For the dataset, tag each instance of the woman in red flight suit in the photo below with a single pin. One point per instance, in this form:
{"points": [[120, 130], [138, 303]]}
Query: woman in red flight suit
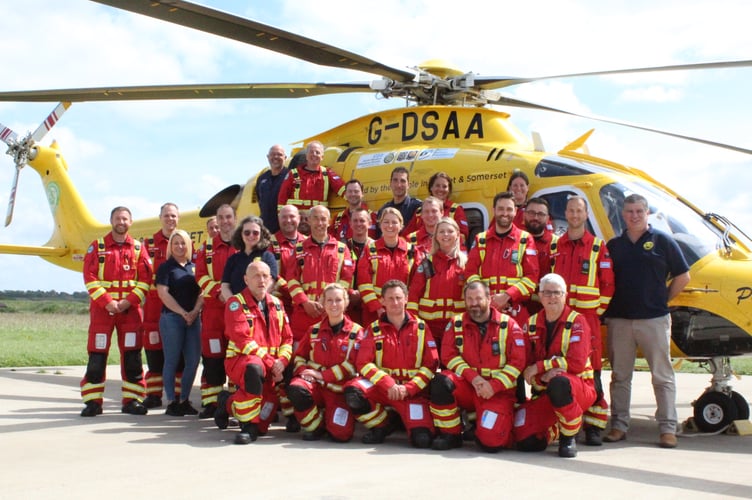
{"points": [[324, 361], [436, 288], [389, 257], [519, 185]]}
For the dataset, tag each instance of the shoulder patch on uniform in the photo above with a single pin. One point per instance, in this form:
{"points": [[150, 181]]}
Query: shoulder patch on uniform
{"points": [[90, 249], [605, 265], [519, 342], [234, 306], [574, 338], [431, 343]]}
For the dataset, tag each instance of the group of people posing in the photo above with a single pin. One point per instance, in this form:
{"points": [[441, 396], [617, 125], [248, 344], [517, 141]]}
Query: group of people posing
{"points": [[386, 318]]}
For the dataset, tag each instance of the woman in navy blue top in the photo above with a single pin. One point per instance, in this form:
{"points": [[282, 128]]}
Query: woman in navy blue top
{"points": [[253, 240], [180, 321]]}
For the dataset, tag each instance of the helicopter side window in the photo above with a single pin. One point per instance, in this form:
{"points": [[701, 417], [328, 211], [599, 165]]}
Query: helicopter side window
{"points": [[612, 199], [693, 235], [557, 207], [475, 222]]}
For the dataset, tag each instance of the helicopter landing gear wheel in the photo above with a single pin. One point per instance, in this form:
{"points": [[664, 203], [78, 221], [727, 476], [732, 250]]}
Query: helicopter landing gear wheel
{"points": [[714, 410], [742, 406]]}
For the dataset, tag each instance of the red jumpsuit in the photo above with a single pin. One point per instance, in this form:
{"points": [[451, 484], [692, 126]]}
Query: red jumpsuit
{"points": [[451, 209], [284, 251], [543, 247], [499, 357], [305, 189], [422, 239], [568, 349], [436, 292], [332, 354], [253, 340], [210, 264], [156, 247], [315, 267], [509, 264], [389, 356], [355, 309], [112, 272], [341, 228], [379, 264], [586, 266]]}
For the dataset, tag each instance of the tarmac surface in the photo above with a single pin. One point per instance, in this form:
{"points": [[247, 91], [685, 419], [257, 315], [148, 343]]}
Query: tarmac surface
{"points": [[49, 451]]}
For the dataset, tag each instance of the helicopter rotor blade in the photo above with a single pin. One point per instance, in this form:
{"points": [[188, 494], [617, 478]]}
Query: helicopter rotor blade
{"points": [[497, 82], [7, 135], [509, 101], [254, 33], [208, 91], [12, 198], [50, 121]]}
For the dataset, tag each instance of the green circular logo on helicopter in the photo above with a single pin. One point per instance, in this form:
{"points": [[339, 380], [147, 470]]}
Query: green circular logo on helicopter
{"points": [[53, 195]]}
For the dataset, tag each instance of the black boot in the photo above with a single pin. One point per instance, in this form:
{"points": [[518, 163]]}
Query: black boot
{"points": [[567, 447], [292, 424], [593, 436], [447, 441], [152, 401], [91, 409], [221, 417], [248, 433], [134, 407], [377, 435]]}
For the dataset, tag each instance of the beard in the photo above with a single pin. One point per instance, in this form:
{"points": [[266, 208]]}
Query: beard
{"points": [[535, 227]]}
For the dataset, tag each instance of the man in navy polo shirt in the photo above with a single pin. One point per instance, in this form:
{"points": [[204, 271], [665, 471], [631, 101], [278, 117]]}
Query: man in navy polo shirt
{"points": [[649, 271]]}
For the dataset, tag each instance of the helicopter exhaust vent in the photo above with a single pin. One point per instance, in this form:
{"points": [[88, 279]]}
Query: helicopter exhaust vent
{"points": [[538, 142]]}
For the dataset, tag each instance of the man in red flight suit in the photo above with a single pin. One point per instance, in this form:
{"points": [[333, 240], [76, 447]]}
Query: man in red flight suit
{"points": [[210, 264], [397, 360], [117, 274], [341, 227], [559, 372], [309, 184], [360, 221], [283, 246], [585, 264], [432, 210], [156, 246], [507, 259], [484, 351], [259, 349], [319, 260], [324, 361]]}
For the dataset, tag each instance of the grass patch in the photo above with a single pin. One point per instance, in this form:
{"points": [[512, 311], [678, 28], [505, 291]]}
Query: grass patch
{"points": [[39, 339]]}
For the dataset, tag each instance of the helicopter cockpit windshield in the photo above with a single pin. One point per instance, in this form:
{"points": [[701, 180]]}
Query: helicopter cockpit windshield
{"points": [[696, 236]]}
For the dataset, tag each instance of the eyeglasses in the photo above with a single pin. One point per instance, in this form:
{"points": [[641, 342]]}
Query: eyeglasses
{"points": [[551, 293], [540, 215], [248, 232]]}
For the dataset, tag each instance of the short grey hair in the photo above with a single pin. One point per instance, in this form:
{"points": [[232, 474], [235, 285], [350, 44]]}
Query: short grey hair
{"points": [[554, 279]]}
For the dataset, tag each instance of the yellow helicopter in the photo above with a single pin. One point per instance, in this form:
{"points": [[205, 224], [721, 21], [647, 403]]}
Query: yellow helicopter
{"points": [[449, 125]]}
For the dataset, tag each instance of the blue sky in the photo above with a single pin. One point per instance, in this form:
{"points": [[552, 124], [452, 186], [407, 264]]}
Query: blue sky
{"points": [[141, 154]]}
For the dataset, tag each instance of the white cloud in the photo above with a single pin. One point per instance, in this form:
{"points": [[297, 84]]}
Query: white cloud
{"points": [[653, 93]]}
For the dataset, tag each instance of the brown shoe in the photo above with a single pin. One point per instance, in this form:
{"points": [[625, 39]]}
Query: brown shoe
{"points": [[667, 440], [614, 435]]}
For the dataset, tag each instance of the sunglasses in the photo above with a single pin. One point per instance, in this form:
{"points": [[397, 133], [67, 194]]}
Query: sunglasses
{"points": [[248, 232]]}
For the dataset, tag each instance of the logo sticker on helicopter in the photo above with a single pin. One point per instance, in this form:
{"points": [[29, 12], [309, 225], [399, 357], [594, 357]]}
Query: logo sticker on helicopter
{"points": [[375, 159], [53, 195], [648, 245]]}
